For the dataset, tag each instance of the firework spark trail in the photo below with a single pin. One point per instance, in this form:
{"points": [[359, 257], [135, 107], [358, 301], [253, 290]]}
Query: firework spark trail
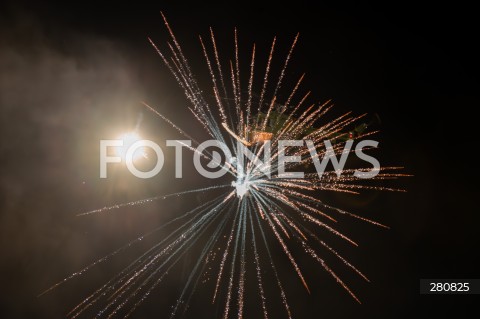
{"points": [[287, 103], [227, 167], [236, 94], [258, 269], [279, 223], [219, 68], [312, 253], [279, 196], [272, 104], [262, 201], [153, 286], [232, 268], [285, 207], [139, 262], [241, 279], [279, 83], [152, 275], [291, 114], [147, 200], [282, 74], [258, 153], [207, 248], [224, 258], [214, 81], [206, 116], [126, 246], [180, 82], [236, 81], [191, 84], [188, 237], [265, 79], [170, 123], [333, 251], [270, 259], [250, 87]]}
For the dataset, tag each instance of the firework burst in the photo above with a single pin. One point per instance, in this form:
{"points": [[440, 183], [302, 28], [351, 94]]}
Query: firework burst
{"points": [[235, 222]]}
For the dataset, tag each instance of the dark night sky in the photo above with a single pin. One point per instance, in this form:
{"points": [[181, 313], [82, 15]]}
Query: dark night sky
{"points": [[71, 74]]}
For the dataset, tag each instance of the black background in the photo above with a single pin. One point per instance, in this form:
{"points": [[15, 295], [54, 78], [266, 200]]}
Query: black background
{"points": [[415, 67]]}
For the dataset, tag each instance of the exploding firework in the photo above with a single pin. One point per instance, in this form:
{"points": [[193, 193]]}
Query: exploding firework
{"points": [[234, 225]]}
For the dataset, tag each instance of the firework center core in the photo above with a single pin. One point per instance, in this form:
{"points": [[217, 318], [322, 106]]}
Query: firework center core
{"points": [[241, 187]]}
